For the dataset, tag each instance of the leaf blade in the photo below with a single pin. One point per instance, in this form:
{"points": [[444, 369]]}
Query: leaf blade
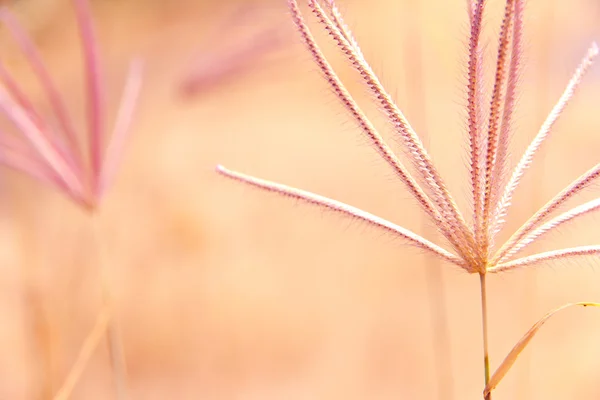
{"points": [[512, 356]]}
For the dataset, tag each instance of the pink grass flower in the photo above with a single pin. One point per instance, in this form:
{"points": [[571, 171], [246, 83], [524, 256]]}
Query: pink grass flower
{"points": [[471, 241], [80, 166]]}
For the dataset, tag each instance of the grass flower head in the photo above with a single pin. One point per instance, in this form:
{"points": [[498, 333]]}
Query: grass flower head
{"points": [[471, 241], [489, 126]]}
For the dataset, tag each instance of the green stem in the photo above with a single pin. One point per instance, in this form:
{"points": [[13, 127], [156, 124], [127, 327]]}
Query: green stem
{"points": [[484, 323]]}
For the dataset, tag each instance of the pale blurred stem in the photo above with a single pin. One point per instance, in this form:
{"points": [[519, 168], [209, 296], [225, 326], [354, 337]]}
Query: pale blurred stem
{"points": [[39, 322], [433, 268], [113, 336], [537, 185], [484, 324], [41, 332], [441, 330]]}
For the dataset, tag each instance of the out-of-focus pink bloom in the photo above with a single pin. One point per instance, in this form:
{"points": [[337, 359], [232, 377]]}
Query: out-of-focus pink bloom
{"points": [[233, 56], [81, 166]]}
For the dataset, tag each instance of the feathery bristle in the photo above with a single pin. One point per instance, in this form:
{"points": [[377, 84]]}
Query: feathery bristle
{"points": [[539, 139], [444, 225], [494, 119], [563, 254], [346, 209], [575, 187], [509, 104], [95, 91], [488, 151], [488, 146], [430, 179], [574, 213], [54, 154], [41, 73]]}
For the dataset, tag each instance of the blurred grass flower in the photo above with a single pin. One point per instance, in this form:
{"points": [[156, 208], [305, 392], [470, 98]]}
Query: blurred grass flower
{"points": [[233, 55], [81, 166]]}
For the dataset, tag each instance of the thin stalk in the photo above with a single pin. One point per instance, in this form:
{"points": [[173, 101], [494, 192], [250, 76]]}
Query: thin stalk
{"points": [[115, 348], [40, 328], [85, 354], [41, 334], [441, 328], [113, 335], [436, 288], [484, 324], [537, 189]]}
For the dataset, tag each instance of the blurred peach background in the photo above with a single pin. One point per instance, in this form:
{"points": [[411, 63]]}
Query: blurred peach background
{"points": [[225, 292]]}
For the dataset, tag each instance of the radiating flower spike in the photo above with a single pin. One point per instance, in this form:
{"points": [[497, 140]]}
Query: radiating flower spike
{"points": [[493, 134], [545, 130], [489, 129], [509, 104], [573, 189], [477, 141], [346, 209]]}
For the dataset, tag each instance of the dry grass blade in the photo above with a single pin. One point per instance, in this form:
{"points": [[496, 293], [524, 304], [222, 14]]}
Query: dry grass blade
{"points": [[87, 349], [510, 359]]}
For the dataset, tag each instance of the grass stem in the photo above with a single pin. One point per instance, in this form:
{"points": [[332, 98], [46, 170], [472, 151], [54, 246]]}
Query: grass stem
{"points": [[415, 83], [113, 336], [37, 312], [484, 324], [441, 329], [85, 354], [115, 349], [41, 331]]}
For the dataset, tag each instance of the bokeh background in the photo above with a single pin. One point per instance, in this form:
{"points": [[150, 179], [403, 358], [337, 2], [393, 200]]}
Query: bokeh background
{"points": [[225, 292]]}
